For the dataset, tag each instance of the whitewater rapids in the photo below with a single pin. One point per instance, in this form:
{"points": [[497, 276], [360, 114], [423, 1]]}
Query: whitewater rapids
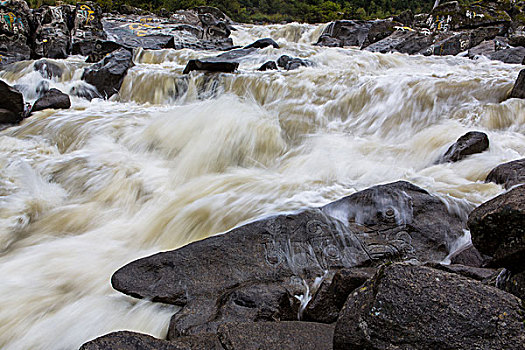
{"points": [[177, 158]]}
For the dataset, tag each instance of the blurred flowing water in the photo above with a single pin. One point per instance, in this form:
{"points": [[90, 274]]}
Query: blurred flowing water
{"points": [[176, 158]]}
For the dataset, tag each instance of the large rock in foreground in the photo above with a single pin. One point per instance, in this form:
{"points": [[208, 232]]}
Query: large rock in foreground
{"points": [[107, 75], [508, 174], [415, 307], [498, 229], [254, 272], [11, 104]]}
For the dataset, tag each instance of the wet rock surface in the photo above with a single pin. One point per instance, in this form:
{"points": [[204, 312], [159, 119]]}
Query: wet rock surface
{"points": [[508, 174], [416, 307], [468, 256], [16, 21], [518, 91], [270, 65], [53, 98], [48, 69], [498, 229], [11, 104], [471, 143], [107, 75], [262, 43], [291, 63], [262, 266]]}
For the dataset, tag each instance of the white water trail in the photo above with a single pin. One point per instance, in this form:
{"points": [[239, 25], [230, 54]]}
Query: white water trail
{"points": [[179, 158]]}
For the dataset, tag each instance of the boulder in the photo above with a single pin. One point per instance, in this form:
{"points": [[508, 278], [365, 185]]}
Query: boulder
{"points": [[475, 273], [379, 30], [417, 307], [514, 55], [518, 91], [53, 98], [107, 75], [329, 299], [88, 28], [84, 90], [125, 340], [11, 104], [48, 69], [453, 16], [255, 271], [16, 21], [262, 43], [345, 33], [468, 256], [291, 63], [405, 41], [104, 47], [270, 65], [471, 143], [508, 174], [276, 335], [52, 36], [211, 66], [498, 229]]}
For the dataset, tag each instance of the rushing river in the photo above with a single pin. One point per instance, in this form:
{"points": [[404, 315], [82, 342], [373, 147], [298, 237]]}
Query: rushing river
{"points": [[177, 158]]}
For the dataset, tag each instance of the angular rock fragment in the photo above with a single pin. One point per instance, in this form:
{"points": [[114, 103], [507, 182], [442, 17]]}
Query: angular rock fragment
{"points": [[518, 91], [416, 307], [498, 229]]}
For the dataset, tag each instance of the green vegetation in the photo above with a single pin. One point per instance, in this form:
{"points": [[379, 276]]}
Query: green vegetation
{"points": [[276, 11]]}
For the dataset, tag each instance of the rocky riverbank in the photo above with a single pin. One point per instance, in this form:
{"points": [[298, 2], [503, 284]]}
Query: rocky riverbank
{"points": [[363, 272]]}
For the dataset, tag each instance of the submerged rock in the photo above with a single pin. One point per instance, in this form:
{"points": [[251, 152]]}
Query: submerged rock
{"points": [[262, 43], [508, 174], [107, 75], [53, 98], [48, 69], [255, 271], [416, 307], [270, 65], [11, 104], [498, 229], [291, 63], [472, 142]]}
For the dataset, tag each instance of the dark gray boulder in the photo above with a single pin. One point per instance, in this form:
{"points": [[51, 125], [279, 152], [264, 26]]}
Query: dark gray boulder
{"points": [[513, 283], [16, 21], [508, 174], [345, 33], [514, 55], [472, 142], [53, 98], [416, 307], [52, 36], [329, 299], [276, 335], [125, 340], [255, 271], [48, 69], [406, 18], [518, 91], [107, 75], [498, 229], [475, 273], [210, 66], [454, 16], [270, 65], [262, 43], [104, 47], [406, 41], [88, 28], [379, 30], [11, 104]]}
